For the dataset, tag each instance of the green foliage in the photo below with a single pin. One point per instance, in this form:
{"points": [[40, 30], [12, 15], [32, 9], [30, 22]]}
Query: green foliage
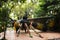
{"points": [[39, 7], [4, 15]]}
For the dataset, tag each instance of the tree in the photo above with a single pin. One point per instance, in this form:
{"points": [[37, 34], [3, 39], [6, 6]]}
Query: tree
{"points": [[4, 17], [54, 6]]}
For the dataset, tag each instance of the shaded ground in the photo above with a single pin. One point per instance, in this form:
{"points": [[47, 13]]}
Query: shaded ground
{"points": [[11, 35]]}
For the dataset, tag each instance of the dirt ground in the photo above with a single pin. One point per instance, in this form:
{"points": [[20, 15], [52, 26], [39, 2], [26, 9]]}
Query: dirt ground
{"points": [[11, 35]]}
